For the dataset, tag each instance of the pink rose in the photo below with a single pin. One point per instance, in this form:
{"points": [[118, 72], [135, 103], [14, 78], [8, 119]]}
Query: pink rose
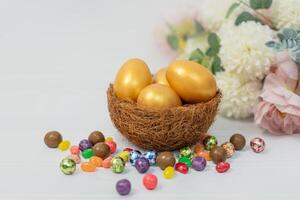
{"points": [[279, 110]]}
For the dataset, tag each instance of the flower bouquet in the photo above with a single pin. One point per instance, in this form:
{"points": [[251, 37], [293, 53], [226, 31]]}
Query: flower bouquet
{"points": [[253, 49]]}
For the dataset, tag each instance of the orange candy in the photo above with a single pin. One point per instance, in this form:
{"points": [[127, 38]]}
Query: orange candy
{"points": [[106, 162], [88, 167], [96, 161], [204, 154], [198, 148]]}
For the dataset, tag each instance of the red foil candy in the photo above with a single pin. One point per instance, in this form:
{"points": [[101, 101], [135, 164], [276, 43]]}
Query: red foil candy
{"points": [[181, 167], [222, 167]]}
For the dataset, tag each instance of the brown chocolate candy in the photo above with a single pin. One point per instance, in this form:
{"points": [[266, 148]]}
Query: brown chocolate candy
{"points": [[238, 141], [96, 137], [101, 150], [52, 139], [165, 159], [218, 154]]}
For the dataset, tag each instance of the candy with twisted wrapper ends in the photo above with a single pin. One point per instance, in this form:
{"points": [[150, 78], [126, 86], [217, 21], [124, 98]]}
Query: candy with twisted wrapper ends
{"points": [[123, 187], [238, 141], [68, 166], [210, 142], [165, 159], [257, 144]]}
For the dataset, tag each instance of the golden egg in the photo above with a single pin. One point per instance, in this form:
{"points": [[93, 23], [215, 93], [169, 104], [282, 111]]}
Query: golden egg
{"points": [[191, 81], [160, 77], [158, 96], [131, 78]]}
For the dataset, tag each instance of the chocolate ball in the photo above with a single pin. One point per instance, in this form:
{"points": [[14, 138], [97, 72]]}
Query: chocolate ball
{"points": [[52, 139], [238, 141], [96, 137], [101, 150], [165, 159], [218, 154]]}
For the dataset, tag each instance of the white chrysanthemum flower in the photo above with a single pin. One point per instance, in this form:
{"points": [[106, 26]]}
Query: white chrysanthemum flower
{"points": [[213, 13], [286, 13], [243, 50], [239, 96], [193, 43]]}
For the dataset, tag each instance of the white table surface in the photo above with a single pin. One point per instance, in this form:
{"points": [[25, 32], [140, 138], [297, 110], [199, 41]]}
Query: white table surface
{"points": [[56, 60]]}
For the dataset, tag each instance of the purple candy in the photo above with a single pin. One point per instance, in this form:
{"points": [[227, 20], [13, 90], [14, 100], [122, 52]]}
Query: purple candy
{"points": [[84, 144], [198, 163], [123, 187], [142, 165]]}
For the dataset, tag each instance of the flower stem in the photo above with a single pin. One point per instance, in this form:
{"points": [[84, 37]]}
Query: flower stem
{"points": [[265, 20]]}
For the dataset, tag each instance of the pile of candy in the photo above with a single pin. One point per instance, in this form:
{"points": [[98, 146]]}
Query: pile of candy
{"points": [[99, 152]]}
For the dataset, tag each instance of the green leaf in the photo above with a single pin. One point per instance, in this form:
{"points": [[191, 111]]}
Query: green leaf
{"points": [[280, 36], [214, 44], [244, 17], [173, 41], [232, 8], [260, 4], [206, 62], [197, 55], [199, 27], [271, 44], [216, 65]]}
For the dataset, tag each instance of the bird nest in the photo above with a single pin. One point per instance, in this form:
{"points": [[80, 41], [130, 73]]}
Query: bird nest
{"points": [[162, 130]]}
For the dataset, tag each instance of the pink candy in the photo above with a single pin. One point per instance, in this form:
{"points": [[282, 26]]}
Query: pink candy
{"points": [[112, 145], [75, 150]]}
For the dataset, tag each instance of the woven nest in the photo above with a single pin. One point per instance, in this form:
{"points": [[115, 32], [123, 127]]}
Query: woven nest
{"points": [[162, 130]]}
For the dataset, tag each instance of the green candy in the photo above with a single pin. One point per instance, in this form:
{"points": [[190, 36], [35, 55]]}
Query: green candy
{"points": [[186, 161], [186, 152], [87, 153], [117, 165], [67, 166], [210, 142]]}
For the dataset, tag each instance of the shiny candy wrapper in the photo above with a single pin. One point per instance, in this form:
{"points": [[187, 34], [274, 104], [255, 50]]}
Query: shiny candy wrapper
{"points": [[151, 156], [117, 165], [134, 156], [186, 152], [68, 166]]}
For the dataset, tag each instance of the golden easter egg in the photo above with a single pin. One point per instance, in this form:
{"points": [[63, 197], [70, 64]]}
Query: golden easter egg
{"points": [[132, 77], [160, 77], [158, 96], [191, 81]]}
